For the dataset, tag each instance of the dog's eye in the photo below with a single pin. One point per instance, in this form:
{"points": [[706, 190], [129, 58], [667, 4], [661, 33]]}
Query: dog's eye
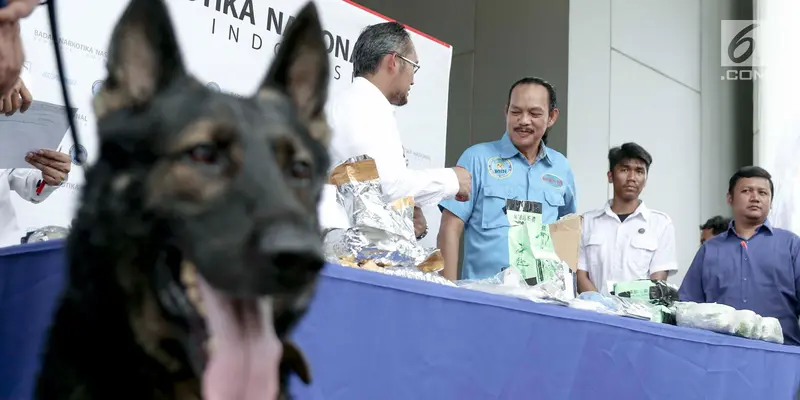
{"points": [[301, 169], [207, 153]]}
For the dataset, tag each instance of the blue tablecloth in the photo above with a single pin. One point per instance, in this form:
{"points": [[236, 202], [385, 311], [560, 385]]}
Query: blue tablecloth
{"points": [[372, 336]]}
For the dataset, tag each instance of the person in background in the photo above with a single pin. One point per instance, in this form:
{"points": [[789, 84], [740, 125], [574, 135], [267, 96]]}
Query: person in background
{"points": [[713, 227], [518, 166], [751, 266], [363, 122], [625, 240], [51, 170]]}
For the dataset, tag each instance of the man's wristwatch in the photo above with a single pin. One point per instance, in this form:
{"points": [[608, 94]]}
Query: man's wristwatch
{"points": [[423, 234]]}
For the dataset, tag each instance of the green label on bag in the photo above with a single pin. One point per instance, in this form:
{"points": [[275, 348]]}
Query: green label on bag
{"points": [[530, 248], [520, 252]]}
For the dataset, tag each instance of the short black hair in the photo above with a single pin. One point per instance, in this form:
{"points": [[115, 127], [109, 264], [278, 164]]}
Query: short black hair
{"points": [[376, 41], [551, 95], [717, 224], [751, 171], [628, 151]]}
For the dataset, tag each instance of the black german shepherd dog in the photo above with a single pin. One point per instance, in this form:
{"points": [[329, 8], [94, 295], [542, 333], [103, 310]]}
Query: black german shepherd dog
{"points": [[196, 248]]}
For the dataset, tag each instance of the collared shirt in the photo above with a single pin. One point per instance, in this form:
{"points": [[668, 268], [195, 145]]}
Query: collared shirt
{"points": [[619, 251], [363, 122], [500, 172], [23, 181], [760, 274]]}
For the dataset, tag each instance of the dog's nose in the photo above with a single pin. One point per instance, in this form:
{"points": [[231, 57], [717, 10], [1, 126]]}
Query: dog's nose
{"points": [[291, 247]]}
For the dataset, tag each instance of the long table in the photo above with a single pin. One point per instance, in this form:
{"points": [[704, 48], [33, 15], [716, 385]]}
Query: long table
{"points": [[373, 336]]}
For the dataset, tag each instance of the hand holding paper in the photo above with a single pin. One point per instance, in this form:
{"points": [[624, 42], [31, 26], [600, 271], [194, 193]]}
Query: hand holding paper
{"points": [[43, 126], [54, 165]]}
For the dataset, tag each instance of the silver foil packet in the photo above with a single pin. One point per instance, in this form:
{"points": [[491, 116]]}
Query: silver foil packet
{"points": [[414, 273], [48, 233], [381, 231]]}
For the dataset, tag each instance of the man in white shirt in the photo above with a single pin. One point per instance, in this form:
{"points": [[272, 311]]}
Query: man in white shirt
{"points": [[362, 121], [625, 240], [34, 185]]}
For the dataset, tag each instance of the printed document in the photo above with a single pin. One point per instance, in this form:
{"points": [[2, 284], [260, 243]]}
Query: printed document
{"points": [[43, 126]]}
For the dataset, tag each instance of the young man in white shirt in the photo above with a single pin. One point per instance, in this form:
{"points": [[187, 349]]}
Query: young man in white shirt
{"points": [[362, 122], [625, 240]]}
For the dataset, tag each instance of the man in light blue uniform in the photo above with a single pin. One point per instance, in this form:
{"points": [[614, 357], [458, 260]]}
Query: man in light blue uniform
{"points": [[518, 166]]}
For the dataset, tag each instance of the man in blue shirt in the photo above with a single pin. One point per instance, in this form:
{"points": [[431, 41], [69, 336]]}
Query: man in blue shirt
{"points": [[751, 266], [518, 166]]}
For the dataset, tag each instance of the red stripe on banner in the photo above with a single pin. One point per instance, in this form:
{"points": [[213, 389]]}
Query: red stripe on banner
{"points": [[377, 14]]}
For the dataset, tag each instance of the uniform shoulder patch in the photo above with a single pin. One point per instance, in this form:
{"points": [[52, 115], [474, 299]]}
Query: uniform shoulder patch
{"points": [[661, 214], [593, 213], [499, 167]]}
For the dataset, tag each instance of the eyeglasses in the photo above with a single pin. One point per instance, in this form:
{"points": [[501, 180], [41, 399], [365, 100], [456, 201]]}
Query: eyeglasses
{"points": [[413, 64]]}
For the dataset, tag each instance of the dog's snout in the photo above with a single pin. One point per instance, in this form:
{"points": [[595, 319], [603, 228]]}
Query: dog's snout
{"points": [[292, 247]]}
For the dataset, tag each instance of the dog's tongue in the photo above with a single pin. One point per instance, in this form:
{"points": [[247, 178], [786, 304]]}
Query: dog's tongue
{"points": [[245, 352]]}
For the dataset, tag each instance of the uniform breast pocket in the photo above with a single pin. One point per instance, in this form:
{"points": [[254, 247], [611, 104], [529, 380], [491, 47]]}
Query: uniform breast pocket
{"points": [[554, 199], [780, 275], [718, 270], [643, 247], [594, 250], [492, 205]]}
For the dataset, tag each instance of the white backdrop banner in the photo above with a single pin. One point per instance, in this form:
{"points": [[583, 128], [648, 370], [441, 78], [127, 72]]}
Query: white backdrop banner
{"points": [[777, 122], [228, 45]]}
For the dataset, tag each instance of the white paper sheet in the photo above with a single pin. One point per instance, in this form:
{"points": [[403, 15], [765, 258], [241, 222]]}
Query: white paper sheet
{"points": [[43, 126]]}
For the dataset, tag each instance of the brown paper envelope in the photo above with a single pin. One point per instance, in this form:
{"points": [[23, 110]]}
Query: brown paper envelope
{"points": [[566, 235]]}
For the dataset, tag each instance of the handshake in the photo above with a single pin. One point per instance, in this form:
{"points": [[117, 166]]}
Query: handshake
{"points": [[464, 183]]}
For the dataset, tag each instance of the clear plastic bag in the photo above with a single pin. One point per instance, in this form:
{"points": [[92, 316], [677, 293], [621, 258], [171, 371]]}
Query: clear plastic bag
{"points": [[615, 305], [510, 282], [725, 319]]}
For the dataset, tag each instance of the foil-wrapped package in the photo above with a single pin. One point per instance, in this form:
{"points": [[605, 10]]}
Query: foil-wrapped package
{"points": [[405, 272], [381, 231], [358, 189], [414, 273], [47, 233]]}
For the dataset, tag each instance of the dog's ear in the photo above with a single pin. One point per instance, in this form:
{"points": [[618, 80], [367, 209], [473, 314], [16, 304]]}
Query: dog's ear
{"points": [[143, 57], [293, 360], [301, 71]]}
